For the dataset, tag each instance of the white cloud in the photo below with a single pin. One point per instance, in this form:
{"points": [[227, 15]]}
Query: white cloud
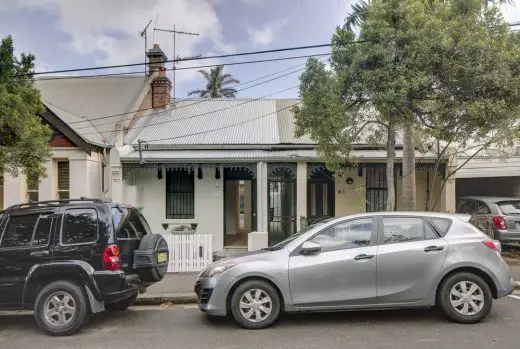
{"points": [[266, 34], [110, 29]]}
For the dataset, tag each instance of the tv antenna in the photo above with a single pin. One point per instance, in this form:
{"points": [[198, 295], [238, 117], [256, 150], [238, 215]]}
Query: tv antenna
{"points": [[144, 34], [175, 33]]}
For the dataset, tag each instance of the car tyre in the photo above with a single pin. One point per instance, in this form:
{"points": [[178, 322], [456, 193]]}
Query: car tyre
{"points": [[465, 298], [255, 304], [122, 304], [61, 308], [152, 243]]}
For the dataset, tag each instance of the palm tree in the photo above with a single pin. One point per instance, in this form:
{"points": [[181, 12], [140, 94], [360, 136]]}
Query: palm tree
{"points": [[217, 84]]}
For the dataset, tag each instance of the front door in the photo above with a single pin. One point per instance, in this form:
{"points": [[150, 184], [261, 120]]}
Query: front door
{"points": [[24, 244], [409, 258], [282, 205], [343, 273]]}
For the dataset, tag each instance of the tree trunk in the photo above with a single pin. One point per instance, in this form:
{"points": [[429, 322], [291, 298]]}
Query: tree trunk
{"points": [[390, 160], [408, 192]]}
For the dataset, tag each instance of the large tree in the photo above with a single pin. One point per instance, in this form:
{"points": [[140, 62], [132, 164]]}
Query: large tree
{"points": [[23, 138], [217, 84], [439, 66]]}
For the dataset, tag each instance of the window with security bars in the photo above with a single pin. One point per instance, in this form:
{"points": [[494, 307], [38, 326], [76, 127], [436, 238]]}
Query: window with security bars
{"points": [[32, 189], [63, 180], [180, 194], [376, 189]]}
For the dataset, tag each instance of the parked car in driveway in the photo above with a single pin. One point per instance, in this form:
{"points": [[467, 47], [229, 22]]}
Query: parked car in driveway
{"points": [[66, 259], [366, 261], [498, 217]]}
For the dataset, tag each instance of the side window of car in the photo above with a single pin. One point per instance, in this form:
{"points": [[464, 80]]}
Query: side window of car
{"points": [[27, 230], [79, 226], [351, 234], [466, 207], [406, 229]]}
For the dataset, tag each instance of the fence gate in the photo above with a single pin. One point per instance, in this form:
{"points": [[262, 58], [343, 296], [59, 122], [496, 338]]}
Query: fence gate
{"points": [[282, 204], [189, 252]]}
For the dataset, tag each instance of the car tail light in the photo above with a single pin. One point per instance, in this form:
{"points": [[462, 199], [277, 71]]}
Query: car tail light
{"points": [[499, 222], [492, 244], [112, 257]]}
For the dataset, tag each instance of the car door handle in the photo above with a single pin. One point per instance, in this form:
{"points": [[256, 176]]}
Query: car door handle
{"points": [[360, 257], [433, 248], [39, 254]]}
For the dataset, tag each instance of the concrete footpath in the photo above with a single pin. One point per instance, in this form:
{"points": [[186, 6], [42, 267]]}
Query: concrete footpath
{"points": [[178, 288]]}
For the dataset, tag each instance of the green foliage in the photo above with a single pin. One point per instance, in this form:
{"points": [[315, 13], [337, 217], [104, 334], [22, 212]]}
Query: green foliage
{"points": [[23, 138], [217, 84], [451, 68]]}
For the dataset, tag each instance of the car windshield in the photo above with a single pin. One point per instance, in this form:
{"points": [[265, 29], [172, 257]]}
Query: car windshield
{"points": [[293, 237], [509, 207]]}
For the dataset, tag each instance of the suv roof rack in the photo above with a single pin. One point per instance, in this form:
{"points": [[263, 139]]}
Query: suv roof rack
{"points": [[55, 202]]}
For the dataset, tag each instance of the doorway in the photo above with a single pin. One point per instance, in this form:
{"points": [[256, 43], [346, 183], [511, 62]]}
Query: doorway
{"points": [[282, 204], [320, 195], [239, 206]]}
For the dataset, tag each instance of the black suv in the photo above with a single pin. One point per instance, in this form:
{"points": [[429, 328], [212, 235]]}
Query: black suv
{"points": [[66, 259]]}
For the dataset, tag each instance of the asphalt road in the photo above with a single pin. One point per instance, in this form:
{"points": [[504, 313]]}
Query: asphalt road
{"points": [[186, 328]]}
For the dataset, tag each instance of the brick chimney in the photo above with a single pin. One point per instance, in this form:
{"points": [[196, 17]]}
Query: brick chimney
{"points": [[156, 59], [161, 88]]}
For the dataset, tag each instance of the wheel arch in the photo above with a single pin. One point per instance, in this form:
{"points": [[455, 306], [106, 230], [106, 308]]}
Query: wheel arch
{"points": [[250, 278], [473, 270]]}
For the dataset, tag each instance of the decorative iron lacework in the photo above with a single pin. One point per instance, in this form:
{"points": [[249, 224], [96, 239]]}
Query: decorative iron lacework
{"points": [[128, 167], [276, 169]]}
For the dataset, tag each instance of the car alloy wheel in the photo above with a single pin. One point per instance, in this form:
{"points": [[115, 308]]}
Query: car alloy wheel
{"points": [[467, 298], [59, 309], [255, 305]]}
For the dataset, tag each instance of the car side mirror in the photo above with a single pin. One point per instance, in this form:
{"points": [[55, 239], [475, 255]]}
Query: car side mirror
{"points": [[310, 247]]}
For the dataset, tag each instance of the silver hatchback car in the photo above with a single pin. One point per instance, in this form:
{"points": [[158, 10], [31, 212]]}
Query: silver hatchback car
{"points": [[366, 261]]}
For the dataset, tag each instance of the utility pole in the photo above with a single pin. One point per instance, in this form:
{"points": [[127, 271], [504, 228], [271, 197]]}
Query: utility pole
{"points": [[175, 32], [144, 34]]}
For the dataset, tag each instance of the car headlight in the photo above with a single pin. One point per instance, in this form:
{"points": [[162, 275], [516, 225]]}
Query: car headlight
{"points": [[220, 269]]}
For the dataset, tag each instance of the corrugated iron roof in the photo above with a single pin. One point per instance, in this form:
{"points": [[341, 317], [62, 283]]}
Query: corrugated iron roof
{"points": [[90, 99], [195, 156], [219, 122]]}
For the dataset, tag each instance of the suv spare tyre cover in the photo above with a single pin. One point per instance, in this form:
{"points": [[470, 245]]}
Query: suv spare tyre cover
{"points": [[146, 258]]}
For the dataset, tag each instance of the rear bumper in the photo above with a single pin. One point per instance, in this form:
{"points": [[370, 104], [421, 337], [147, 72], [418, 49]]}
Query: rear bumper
{"points": [[506, 291], [117, 285], [507, 236]]}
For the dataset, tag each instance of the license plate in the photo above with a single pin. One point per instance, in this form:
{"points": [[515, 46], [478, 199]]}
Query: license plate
{"points": [[162, 257]]}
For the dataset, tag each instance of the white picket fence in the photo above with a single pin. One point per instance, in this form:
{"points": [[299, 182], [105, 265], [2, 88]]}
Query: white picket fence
{"points": [[189, 252]]}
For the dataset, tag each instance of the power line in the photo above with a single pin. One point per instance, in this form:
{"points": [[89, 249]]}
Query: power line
{"points": [[184, 99], [177, 60], [200, 101], [196, 115], [188, 68]]}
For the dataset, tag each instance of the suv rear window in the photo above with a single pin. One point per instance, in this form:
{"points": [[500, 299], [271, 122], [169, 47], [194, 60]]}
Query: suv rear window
{"points": [[509, 207], [129, 224]]}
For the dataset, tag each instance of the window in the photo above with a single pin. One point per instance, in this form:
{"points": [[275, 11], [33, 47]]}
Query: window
{"points": [[80, 226], [465, 207], [132, 227], [376, 189], [441, 224], [63, 180], [32, 189], [481, 208], [27, 230], [406, 229], [345, 235], [180, 198], [509, 207]]}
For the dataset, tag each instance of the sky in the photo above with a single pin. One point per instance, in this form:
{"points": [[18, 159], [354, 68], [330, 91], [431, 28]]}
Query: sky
{"points": [[66, 34]]}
